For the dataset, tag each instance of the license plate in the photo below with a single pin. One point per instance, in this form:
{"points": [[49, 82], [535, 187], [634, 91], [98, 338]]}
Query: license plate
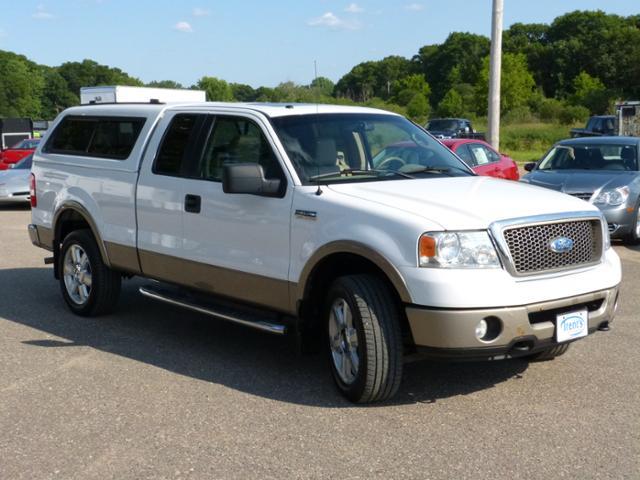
{"points": [[572, 325]]}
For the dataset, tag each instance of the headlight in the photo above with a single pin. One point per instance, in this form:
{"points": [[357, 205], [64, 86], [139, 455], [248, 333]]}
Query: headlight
{"points": [[613, 198], [457, 250]]}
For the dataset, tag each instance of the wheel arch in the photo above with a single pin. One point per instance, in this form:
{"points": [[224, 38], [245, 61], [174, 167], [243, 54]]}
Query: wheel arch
{"points": [[70, 217], [338, 259]]}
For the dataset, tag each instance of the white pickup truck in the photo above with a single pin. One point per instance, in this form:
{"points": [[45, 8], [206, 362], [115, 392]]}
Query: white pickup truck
{"points": [[351, 228]]}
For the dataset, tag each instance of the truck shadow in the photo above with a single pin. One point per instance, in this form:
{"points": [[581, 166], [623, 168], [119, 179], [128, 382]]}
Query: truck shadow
{"points": [[214, 351]]}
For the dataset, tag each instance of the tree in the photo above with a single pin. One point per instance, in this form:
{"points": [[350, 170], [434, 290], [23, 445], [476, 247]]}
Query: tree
{"points": [[217, 90], [56, 95], [373, 79], [461, 51], [418, 108], [452, 105], [323, 85], [21, 86], [408, 87], [591, 93], [164, 84], [517, 84], [91, 74], [242, 92]]}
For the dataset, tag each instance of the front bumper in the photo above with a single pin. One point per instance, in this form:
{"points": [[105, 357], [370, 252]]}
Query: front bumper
{"points": [[620, 220], [524, 329]]}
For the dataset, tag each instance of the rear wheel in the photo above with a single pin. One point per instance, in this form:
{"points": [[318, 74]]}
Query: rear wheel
{"points": [[364, 338], [88, 286], [550, 353]]}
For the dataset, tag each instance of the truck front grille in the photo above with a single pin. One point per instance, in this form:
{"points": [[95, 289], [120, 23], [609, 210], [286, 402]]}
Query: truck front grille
{"points": [[530, 246]]}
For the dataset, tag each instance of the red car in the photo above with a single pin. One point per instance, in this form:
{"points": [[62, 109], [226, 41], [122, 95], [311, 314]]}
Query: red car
{"points": [[17, 152], [483, 159]]}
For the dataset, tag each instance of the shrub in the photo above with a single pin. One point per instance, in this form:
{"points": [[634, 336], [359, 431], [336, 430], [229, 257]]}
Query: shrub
{"points": [[573, 114]]}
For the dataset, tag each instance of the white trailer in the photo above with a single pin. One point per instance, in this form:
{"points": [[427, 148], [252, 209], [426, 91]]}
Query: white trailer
{"points": [[126, 94], [628, 119]]}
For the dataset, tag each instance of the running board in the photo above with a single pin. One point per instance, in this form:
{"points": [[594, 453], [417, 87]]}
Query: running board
{"points": [[223, 312]]}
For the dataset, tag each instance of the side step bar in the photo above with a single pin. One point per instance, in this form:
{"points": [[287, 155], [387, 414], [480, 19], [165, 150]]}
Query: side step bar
{"points": [[222, 312]]}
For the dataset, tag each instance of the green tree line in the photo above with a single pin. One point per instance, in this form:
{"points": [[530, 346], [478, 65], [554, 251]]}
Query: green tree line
{"points": [[578, 65]]}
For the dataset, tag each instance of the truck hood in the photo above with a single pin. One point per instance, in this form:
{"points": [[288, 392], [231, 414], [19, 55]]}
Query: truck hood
{"points": [[579, 181], [464, 203]]}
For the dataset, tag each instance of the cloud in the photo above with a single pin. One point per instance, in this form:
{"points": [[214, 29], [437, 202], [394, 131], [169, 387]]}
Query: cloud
{"points": [[354, 8], [201, 12], [330, 20], [42, 14], [414, 7], [183, 27]]}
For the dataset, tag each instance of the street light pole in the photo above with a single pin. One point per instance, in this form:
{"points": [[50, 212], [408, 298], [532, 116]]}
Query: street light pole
{"points": [[495, 72]]}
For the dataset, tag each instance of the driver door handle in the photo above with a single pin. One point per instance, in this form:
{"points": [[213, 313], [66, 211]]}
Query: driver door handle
{"points": [[192, 203]]}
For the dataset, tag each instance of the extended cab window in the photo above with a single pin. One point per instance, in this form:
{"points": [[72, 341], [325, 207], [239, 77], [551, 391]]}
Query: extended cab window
{"points": [[237, 140], [177, 145], [104, 137]]}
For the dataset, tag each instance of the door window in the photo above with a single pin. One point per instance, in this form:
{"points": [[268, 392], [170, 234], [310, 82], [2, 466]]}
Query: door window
{"points": [[178, 144], [482, 154], [237, 140]]}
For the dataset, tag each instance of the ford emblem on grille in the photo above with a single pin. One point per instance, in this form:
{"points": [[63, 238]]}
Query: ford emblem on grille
{"points": [[561, 245]]}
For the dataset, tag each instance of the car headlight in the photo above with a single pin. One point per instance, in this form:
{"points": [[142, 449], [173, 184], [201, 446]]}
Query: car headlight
{"points": [[457, 250], [614, 198]]}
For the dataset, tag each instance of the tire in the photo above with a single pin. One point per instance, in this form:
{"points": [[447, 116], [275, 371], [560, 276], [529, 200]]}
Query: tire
{"points": [[88, 286], [362, 318], [633, 237], [550, 353]]}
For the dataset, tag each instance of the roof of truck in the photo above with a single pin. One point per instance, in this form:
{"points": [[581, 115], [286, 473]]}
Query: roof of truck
{"points": [[269, 109]]}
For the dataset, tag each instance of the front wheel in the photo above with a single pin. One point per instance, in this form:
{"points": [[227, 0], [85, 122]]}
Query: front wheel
{"points": [[364, 338], [89, 287]]}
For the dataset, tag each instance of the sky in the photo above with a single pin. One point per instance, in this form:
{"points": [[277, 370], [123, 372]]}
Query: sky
{"points": [[260, 43]]}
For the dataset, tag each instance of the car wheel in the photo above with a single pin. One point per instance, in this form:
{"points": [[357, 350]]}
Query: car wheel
{"points": [[550, 353], [364, 338], [88, 286], [633, 237]]}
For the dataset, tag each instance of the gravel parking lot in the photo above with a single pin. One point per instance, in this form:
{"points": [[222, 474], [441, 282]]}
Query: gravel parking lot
{"points": [[157, 392]]}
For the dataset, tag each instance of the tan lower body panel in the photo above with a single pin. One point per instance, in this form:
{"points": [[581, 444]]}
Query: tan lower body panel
{"points": [[122, 257], [246, 287]]}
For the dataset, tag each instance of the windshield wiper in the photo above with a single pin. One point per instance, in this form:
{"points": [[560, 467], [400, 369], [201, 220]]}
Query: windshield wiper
{"points": [[357, 172]]}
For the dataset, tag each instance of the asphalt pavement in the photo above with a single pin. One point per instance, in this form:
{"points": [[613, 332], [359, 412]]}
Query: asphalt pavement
{"points": [[155, 392]]}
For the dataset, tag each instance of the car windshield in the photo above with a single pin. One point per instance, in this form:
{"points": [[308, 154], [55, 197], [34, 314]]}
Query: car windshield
{"points": [[442, 125], [26, 144], [25, 163], [338, 148], [591, 157]]}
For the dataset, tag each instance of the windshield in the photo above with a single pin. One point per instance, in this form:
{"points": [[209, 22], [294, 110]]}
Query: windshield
{"points": [[591, 157], [442, 125], [336, 148], [26, 144]]}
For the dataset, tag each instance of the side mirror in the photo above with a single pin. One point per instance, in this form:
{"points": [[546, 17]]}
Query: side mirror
{"points": [[248, 178], [529, 166]]}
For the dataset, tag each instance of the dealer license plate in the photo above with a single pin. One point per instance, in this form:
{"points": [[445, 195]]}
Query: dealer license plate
{"points": [[572, 325]]}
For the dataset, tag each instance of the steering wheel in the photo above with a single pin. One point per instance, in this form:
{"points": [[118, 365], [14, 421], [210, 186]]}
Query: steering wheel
{"points": [[383, 165]]}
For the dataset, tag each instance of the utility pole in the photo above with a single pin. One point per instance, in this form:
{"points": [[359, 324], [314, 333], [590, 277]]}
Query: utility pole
{"points": [[495, 72]]}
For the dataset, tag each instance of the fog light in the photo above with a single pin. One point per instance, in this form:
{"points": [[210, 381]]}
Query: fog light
{"points": [[481, 329]]}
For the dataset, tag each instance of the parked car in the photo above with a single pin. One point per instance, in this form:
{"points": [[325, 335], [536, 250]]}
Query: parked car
{"points": [[479, 156], [597, 126], [16, 153], [452, 128], [603, 171], [483, 159], [14, 182], [273, 217]]}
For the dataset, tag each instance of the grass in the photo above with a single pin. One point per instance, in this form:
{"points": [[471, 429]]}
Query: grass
{"points": [[528, 142]]}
